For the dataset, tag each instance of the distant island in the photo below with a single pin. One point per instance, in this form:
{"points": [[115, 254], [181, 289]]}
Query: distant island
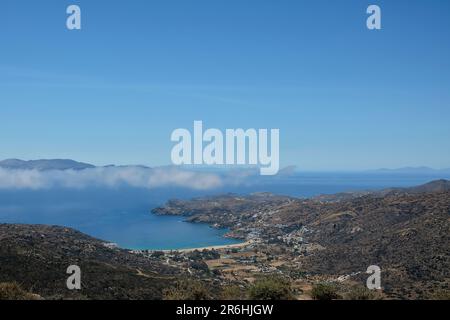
{"points": [[411, 170], [54, 164], [69, 164]]}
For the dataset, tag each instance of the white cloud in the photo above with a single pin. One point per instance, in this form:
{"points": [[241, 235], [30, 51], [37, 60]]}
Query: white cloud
{"points": [[109, 177]]}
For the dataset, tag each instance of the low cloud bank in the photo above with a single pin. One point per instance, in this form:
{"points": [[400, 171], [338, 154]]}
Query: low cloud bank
{"points": [[109, 177]]}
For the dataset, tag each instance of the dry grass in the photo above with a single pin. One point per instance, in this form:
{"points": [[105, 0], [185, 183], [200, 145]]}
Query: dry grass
{"points": [[12, 291]]}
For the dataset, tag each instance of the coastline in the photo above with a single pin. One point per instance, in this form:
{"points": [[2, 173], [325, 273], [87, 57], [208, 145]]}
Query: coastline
{"points": [[218, 247]]}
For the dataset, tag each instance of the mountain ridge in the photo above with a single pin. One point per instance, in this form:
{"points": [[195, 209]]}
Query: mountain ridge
{"points": [[67, 164], [44, 164], [56, 164], [440, 185]]}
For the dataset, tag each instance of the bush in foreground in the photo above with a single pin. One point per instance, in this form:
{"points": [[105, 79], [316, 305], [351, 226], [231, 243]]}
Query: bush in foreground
{"points": [[361, 293], [187, 290], [12, 291], [325, 291], [270, 288], [232, 292], [440, 295]]}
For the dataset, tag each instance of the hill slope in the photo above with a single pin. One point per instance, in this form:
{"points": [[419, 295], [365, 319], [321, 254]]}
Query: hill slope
{"points": [[406, 232], [37, 258]]}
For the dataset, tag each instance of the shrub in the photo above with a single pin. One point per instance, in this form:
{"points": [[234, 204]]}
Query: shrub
{"points": [[440, 295], [325, 291], [232, 292], [187, 290], [360, 293], [199, 265], [271, 288], [12, 291]]}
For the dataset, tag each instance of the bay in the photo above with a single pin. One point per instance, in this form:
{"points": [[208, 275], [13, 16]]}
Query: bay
{"points": [[123, 215]]}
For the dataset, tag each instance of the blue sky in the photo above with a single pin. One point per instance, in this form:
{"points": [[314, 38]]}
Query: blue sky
{"points": [[343, 97]]}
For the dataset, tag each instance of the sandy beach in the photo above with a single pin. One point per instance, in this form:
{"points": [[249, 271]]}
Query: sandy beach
{"points": [[221, 247]]}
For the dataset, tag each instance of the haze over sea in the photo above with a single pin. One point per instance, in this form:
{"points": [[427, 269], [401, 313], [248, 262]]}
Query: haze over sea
{"points": [[122, 215]]}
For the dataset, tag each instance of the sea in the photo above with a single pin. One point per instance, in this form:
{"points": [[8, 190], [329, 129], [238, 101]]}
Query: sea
{"points": [[123, 215]]}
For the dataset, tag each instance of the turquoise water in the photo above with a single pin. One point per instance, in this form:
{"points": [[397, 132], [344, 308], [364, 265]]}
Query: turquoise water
{"points": [[123, 215], [145, 231], [120, 216]]}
